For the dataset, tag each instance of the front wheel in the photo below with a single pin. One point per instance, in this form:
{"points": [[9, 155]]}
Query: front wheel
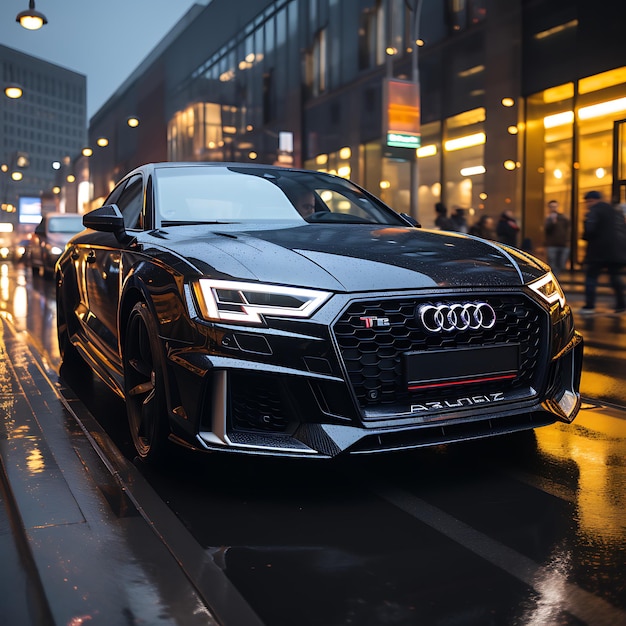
{"points": [[67, 351], [144, 385]]}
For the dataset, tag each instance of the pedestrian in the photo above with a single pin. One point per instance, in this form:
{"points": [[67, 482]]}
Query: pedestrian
{"points": [[484, 227], [603, 229], [507, 228], [459, 221], [442, 221], [557, 231]]}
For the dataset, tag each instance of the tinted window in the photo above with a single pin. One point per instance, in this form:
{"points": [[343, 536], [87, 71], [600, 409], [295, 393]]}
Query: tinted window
{"points": [[130, 202], [242, 193], [68, 225]]}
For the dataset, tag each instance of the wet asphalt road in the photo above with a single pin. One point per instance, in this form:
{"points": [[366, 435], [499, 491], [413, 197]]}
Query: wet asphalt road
{"points": [[527, 529]]}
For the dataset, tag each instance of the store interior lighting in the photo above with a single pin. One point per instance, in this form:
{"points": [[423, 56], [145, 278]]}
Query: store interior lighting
{"points": [[467, 141]]}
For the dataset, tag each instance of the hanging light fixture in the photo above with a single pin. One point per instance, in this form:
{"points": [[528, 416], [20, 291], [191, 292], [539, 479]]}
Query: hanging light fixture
{"points": [[13, 91], [31, 19]]}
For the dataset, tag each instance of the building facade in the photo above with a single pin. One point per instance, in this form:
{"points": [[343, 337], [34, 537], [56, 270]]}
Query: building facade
{"points": [[519, 102], [41, 133]]}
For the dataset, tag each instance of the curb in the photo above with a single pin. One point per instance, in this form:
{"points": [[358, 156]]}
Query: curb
{"points": [[95, 541]]}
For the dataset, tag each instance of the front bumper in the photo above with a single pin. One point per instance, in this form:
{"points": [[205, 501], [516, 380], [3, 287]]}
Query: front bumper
{"points": [[266, 405]]}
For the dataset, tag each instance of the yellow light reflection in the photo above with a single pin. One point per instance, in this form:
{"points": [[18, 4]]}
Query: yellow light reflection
{"points": [[35, 461], [594, 442], [4, 283], [20, 302]]}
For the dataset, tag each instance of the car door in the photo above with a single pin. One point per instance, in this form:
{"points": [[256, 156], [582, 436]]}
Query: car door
{"points": [[101, 266]]}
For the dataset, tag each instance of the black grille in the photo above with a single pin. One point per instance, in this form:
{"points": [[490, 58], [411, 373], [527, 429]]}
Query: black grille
{"points": [[373, 357], [257, 403]]}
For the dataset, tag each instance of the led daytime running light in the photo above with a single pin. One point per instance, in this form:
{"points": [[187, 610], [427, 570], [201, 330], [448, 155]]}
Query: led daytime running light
{"points": [[549, 289], [247, 302]]}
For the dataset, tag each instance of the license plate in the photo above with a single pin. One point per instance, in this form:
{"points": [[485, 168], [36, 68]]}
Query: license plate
{"points": [[461, 366]]}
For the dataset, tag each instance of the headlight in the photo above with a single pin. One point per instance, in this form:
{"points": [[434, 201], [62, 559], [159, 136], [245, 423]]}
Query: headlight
{"points": [[549, 289], [56, 250], [246, 302]]}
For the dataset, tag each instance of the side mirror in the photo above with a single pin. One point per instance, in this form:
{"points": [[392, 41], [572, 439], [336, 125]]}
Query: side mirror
{"points": [[108, 219]]}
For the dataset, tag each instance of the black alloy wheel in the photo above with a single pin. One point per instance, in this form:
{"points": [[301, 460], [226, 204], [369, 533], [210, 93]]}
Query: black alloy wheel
{"points": [[67, 351], [144, 386]]}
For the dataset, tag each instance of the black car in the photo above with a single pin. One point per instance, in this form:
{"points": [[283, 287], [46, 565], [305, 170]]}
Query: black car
{"points": [[228, 321]]}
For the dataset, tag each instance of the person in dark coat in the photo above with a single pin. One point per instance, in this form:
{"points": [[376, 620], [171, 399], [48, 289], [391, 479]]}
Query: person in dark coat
{"points": [[600, 233], [507, 228], [484, 228], [459, 221], [442, 221], [556, 231]]}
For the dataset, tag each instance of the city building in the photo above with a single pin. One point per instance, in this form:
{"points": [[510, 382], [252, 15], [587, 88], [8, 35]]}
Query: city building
{"points": [[479, 104], [44, 127]]}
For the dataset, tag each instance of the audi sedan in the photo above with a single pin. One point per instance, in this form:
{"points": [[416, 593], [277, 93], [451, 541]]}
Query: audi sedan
{"points": [[271, 311]]}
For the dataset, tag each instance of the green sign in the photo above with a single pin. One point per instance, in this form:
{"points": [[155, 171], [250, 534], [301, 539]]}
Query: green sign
{"points": [[404, 140]]}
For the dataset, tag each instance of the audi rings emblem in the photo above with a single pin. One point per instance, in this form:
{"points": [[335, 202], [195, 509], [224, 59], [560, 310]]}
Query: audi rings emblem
{"points": [[449, 317]]}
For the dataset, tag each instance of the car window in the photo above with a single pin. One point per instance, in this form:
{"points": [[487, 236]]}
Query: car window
{"points": [[216, 194], [130, 203], [244, 193], [68, 225]]}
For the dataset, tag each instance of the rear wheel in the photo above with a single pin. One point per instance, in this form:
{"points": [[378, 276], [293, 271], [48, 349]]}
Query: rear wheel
{"points": [[144, 385]]}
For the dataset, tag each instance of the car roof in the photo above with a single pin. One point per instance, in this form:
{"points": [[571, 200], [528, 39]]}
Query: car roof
{"points": [[149, 167]]}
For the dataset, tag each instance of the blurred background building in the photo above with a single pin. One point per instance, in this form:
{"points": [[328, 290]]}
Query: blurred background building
{"points": [[43, 117], [480, 104]]}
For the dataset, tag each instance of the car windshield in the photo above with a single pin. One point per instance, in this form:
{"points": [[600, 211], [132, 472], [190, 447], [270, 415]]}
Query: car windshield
{"points": [[68, 225], [192, 194]]}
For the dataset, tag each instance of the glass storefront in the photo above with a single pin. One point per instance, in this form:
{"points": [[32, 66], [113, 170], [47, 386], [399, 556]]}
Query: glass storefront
{"points": [[569, 148], [244, 98]]}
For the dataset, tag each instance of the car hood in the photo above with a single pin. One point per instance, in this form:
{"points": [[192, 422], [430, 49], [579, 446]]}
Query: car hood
{"points": [[349, 257]]}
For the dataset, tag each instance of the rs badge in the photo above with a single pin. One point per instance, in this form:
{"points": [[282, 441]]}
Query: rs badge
{"points": [[375, 322]]}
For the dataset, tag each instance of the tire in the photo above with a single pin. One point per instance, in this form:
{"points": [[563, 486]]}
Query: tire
{"points": [[70, 356], [144, 386]]}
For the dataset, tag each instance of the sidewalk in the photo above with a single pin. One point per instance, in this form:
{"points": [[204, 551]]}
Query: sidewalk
{"points": [[74, 546]]}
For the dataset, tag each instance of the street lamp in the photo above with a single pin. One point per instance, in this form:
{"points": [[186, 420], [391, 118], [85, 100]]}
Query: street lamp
{"points": [[13, 91], [31, 19]]}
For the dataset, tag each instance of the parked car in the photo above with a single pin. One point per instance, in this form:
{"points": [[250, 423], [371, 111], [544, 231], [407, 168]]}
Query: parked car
{"points": [[229, 322], [21, 248], [49, 239], [11, 248]]}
